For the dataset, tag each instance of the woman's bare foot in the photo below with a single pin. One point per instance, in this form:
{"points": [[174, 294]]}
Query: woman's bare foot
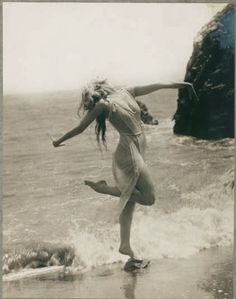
{"points": [[99, 186], [126, 250]]}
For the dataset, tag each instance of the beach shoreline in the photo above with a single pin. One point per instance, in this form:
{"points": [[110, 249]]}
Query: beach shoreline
{"points": [[207, 274]]}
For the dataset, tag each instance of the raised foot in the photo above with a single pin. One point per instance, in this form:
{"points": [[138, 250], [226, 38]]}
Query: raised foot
{"points": [[99, 186]]}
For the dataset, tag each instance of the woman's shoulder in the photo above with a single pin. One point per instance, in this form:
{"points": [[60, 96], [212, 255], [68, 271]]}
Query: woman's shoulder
{"points": [[130, 91], [121, 94], [127, 91]]}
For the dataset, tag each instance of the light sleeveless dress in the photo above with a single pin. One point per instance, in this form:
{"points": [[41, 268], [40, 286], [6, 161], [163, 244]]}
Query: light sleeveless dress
{"points": [[128, 158]]}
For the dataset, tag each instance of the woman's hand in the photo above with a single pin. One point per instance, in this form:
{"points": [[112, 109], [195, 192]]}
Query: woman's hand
{"points": [[55, 143]]}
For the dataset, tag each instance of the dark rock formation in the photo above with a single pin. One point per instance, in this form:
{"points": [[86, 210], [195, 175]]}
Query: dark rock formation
{"points": [[211, 70], [145, 116]]}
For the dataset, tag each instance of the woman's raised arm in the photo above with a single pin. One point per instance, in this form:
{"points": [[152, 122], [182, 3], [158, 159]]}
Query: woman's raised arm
{"points": [[85, 122], [143, 90]]}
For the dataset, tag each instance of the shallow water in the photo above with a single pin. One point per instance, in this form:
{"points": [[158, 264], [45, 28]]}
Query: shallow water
{"points": [[207, 275], [47, 208]]}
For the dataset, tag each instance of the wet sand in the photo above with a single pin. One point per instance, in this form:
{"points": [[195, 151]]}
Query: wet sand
{"points": [[205, 275]]}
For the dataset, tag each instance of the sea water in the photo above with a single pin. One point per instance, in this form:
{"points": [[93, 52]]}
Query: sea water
{"points": [[51, 218]]}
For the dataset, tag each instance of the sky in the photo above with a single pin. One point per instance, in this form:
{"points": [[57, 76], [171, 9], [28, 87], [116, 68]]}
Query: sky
{"points": [[62, 46]]}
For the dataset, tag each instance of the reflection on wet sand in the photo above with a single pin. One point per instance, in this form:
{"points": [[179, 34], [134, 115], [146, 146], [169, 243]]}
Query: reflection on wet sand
{"points": [[129, 285], [207, 275]]}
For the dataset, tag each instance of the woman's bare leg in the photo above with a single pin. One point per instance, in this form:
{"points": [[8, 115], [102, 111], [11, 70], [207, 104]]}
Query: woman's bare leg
{"points": [[102, 187], [125, 218], [125, 226], [143, 194]]}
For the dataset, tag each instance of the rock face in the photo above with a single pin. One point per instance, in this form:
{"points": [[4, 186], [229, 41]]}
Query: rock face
{"points": [[145, 115], [211, 70]]}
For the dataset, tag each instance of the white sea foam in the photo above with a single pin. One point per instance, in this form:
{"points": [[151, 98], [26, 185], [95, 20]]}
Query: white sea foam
{"points": [[204, 220], [219, 194], [182, 233], [160, 235], [213, 145], [176, 235]]}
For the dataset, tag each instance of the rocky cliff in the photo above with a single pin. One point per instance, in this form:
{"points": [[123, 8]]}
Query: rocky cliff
{"points": [[145, 115], [211, 70]]}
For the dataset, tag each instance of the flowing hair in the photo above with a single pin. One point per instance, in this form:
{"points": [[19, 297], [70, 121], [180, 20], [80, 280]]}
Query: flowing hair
{"points": [[91, 95]]}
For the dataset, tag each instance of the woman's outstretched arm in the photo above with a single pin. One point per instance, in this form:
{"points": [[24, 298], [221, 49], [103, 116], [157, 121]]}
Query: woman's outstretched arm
{"points": [[85, 122], [146, 89]]}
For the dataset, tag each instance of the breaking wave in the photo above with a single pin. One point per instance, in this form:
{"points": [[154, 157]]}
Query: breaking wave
{"points": [[155, 235]]}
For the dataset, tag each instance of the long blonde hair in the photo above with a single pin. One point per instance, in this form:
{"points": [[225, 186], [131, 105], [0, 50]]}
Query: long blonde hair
{"points": [[91, 95]]}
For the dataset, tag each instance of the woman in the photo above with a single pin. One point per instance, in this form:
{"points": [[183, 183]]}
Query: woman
{"points": [[133, 182]]}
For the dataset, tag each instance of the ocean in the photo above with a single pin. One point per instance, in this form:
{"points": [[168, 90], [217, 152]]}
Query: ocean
{"points": [[51, 218]]}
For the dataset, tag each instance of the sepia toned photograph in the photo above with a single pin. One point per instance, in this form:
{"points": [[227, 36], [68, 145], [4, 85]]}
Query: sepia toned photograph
{"points": [[118, 150]]}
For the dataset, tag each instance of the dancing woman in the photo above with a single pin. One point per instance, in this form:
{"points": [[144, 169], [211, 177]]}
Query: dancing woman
{"points": [[102, 103]]}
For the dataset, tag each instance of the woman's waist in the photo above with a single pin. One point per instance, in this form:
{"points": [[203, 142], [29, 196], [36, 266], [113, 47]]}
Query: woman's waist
{"points": [[138, 138], [133, 132]]}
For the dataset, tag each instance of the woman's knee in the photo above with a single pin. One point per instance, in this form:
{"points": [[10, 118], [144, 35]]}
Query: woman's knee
{"points": [[146, 188], [150, 198]]}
